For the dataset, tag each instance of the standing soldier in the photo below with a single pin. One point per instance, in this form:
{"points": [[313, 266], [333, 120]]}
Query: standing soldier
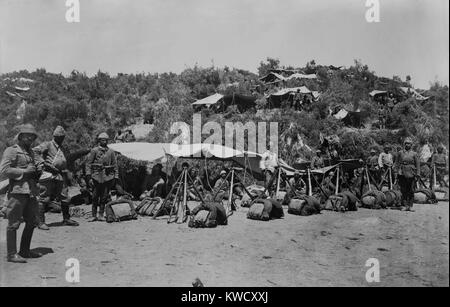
{"points": [[317, 160], [19, 166], [101, 167], [54, 184], [385, 161], [372, 164], [408, 169], [439, 164]]}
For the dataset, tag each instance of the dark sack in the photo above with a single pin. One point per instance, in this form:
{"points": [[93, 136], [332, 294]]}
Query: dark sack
{"points": [[353, 201], [374, 200], [120, 210], [277, 209], [304, 206], [337, 202], [393, 198], [200, 220]]}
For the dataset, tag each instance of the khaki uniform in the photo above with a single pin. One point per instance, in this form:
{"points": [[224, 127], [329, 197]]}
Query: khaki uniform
{"points": [[408, 164], [54, 187], [22, 196], [440, 163], [102, 166]]}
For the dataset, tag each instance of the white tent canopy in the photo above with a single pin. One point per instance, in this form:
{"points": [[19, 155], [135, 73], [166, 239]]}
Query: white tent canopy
{"points": [[208, 101], [284, 91]]}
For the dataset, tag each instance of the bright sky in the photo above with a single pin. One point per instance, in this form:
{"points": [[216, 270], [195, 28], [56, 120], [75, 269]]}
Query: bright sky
{"points": [[129, 36]]}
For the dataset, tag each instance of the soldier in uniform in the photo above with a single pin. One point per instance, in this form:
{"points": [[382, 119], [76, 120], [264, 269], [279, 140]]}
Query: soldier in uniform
{"points": [[439, 163], [372, 164], [296, 184], [408, 164], [54, 187], [20, 167], [317, 161], [101, 167]]}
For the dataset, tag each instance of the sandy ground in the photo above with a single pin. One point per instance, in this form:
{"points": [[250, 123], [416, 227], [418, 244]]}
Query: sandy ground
{"points": [[330, 249]]}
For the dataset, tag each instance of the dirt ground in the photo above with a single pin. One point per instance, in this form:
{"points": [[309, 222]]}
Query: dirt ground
{"points": [[330, 249]]}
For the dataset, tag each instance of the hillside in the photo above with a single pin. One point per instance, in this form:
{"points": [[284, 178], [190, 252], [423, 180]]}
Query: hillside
{"points": [[86, 105]]}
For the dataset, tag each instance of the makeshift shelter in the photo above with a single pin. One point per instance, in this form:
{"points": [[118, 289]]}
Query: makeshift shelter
{"points": [[208, 101], [412, 92], [220, 101], [276, 77], [352, 118], [288, 94]]}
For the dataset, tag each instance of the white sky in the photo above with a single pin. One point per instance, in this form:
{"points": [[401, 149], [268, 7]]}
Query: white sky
{"points": [[132, 36]]}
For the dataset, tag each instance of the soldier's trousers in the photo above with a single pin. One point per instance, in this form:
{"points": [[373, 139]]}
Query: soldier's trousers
{"points": [[20, 206], [53, 190], [100, 196], [407, 189]]}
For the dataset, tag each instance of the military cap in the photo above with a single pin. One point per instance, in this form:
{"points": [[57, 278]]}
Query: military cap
{"points": [[27, 128], [59, 131], [103, 135]]}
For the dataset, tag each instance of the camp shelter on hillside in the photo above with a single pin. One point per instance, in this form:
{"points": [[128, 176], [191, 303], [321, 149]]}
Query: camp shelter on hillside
{"points": [[273, 77], [288, 94], [352, 118], [409, 91], [222, 102]]}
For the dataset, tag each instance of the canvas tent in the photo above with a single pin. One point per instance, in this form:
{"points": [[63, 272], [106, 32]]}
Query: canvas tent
{"points": [[276, 77], [242, 102], [208, 101]]}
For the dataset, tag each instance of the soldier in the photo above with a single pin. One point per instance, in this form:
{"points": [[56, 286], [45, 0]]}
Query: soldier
{"points": [[54, 186], [328, 183], [372, 164], [296, 184], [317, 161], [101, 167], [408, 163], [222, 186], [155, 181], [20, 167], [439, 163], [385, 160]]}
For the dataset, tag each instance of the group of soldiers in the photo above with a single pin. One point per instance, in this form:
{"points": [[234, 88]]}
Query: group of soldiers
{"points": [[40, 175]]}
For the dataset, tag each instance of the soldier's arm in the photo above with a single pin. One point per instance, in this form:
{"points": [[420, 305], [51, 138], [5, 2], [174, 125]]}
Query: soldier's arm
{"points": [[40, 152], [89, 162], [114, 164], [380, 160], [417, 160], [9, 155]]}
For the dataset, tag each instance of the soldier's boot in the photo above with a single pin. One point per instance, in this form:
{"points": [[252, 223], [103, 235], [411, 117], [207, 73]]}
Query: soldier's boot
{"points": [[41, 216], [11, 247], [66, 216], [25, 243]]}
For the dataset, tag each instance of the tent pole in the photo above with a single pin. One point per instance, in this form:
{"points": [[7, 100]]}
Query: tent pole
{"points": [[368, 179], [337, 180], [309, 183], [278, 182], [230, 196]]}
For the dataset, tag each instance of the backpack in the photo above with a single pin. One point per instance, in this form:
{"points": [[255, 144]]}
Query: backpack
{"points": [[200, 220], [374, 200], [424, 196], [393, 198], [151, 206], [338, 202], [260, 210], [304, 205], [120, 210], [353, 201]]}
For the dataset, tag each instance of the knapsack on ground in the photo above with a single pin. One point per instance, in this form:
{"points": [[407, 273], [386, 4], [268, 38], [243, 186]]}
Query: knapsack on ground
{"points": [[150, 206], [200, 220], [304, 205], [374, 200], [120, 210], [342, 202], [260, 210], [393, 198], [424, 196]]}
